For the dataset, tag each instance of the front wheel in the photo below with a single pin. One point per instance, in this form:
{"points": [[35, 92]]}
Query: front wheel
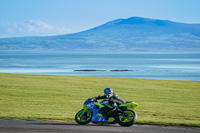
{"points": [[128, 118], [83, 117]]}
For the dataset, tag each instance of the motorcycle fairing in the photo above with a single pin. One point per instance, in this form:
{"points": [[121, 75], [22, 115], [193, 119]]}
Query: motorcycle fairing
{"points": [[96, 117]]}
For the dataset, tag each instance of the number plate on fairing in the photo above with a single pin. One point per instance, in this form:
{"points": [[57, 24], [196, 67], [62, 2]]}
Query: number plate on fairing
{"points": [[91, 105]]}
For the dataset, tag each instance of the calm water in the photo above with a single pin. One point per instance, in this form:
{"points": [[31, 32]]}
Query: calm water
{"points": [[148, 65]]}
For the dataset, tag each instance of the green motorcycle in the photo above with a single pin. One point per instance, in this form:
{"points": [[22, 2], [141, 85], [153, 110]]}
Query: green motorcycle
{"points": [[97, 113]]}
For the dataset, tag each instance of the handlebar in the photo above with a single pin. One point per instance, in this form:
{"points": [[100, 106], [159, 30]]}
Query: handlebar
{"points": [[94, 99]]}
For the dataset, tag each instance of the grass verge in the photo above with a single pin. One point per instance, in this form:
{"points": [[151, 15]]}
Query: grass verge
{"points": [[51, 97]]}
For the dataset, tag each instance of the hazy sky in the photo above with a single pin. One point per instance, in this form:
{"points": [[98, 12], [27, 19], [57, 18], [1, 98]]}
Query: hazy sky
{"points": [[51, 17]]}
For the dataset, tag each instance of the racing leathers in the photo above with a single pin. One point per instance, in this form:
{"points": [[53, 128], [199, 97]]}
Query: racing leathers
{"points": [[113, 100]]}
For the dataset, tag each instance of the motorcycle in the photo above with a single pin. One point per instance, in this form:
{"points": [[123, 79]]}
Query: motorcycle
{"points": [[98, 113]]}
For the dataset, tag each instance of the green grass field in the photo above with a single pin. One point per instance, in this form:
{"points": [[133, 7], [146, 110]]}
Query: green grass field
{"points": [[51, 97]]}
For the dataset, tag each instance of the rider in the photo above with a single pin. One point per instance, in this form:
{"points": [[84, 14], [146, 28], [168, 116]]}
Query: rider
{"points": [[113, 99]]}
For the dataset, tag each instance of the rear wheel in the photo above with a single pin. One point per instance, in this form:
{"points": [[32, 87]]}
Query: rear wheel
{"points": [[128, 118], [83, 118]]}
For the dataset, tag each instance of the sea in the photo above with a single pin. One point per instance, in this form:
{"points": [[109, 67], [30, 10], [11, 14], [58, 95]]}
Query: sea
{"points": [[131, 64]]}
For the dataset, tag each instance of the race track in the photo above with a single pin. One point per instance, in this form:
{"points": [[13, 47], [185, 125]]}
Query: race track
{"points": [[34, 126]]}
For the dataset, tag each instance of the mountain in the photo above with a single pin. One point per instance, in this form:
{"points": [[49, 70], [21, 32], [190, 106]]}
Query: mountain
{"points": [[134, 33]]}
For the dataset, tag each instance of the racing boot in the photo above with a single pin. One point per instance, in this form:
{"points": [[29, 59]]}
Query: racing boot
{"points": [[109, 113], [114, 110]]}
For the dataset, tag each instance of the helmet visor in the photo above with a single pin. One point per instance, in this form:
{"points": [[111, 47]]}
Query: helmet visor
{"points": [[107, 91]]}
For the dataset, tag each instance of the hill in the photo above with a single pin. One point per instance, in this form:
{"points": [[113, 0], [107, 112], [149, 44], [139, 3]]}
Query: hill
{"points": [[134, 33]]}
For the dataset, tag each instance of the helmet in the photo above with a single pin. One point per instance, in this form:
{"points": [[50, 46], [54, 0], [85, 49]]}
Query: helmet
{"points": [[108, 92]]}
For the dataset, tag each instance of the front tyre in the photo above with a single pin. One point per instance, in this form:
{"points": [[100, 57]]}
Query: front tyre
{"points": [[82, 117], [128, 118]]}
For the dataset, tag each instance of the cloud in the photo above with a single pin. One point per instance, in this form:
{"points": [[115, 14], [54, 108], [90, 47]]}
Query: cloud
{"points": [[30, 28]]}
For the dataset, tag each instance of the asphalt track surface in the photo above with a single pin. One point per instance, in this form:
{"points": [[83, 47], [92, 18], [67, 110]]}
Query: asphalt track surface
{"points": [[34, 126]]}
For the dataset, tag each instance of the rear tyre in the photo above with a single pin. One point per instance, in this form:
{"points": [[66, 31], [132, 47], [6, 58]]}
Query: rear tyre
{"points": [[83, 119], [128, 119]]}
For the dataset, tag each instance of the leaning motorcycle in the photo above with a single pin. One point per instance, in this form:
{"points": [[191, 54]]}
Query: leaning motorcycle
{"points": [[98, 113]]}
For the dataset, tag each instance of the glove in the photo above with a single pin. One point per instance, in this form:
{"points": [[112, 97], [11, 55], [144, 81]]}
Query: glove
{"points": [[94, 98]]}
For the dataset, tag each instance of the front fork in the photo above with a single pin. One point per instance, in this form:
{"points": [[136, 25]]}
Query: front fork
{"points": [[86, 110]]}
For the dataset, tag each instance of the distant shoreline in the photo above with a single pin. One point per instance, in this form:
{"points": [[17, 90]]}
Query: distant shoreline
{"points": [[117, 70], [98, 76]]}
